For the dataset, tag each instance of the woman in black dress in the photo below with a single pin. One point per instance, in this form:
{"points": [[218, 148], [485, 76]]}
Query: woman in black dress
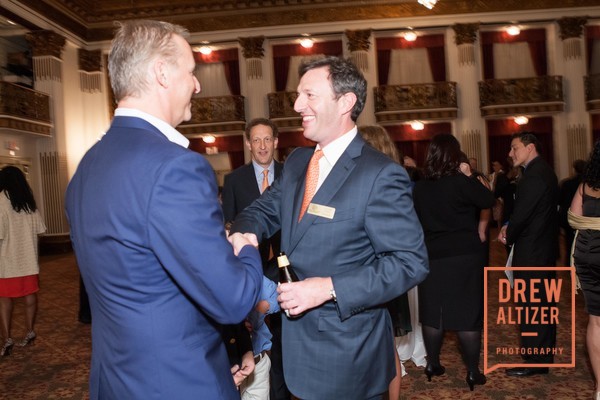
{"points": [[447, 202], [584, 215]]}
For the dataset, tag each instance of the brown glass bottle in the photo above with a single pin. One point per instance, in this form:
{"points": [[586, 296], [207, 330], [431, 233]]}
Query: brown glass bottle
{"points": [[286, 275]]}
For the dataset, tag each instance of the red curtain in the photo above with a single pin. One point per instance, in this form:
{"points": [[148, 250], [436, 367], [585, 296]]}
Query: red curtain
{"points": [[535, 38], [435, 52], [416, 143], [282, 54], [500, 131], [229, 58], [232, 145], [592, 34]]}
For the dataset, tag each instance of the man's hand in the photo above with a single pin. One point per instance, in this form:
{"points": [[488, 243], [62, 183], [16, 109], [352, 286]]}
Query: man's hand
{"points": [[298, 297], [239, 240], [241, 373], [502, 235]]}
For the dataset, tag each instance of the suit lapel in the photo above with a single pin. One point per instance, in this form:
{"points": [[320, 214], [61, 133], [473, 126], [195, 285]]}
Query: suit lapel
{"points": [[335, 180], [251, 183]]}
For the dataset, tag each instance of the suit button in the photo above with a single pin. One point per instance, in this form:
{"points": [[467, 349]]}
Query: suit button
{"points": [[232, 341]]}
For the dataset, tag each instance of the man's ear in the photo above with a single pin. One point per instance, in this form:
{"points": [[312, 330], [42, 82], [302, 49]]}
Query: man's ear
{"points": [[160, 72], [348, 100]]}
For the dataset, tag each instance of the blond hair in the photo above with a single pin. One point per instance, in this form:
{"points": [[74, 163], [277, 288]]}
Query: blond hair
{"points": [[379, 139]]}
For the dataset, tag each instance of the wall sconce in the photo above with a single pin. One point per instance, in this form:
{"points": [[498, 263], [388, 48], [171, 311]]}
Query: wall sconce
{"points": [[417, 125], [409, 36], [521, 120], [306, 41], [208, 139], [513, 30], [428, 3]]}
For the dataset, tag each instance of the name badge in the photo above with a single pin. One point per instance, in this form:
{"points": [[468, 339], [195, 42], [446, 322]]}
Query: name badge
{"points": [[321, 211]]}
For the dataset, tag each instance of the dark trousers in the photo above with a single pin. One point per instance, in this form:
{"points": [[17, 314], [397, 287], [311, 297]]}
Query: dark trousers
{"points": [[545, 333], [85, 315], [279, 390]]}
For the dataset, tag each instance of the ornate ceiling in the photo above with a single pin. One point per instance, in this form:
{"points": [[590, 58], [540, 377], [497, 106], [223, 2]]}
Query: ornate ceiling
{"points": [[92, 20]]}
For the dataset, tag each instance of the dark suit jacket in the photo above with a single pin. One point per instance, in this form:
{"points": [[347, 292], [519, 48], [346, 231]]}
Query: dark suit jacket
{"points": [[147, 230], [372, 248], [533, 225], [240, 189]]}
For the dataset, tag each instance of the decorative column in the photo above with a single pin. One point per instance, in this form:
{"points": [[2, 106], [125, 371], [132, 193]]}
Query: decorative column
{"points": [[253, 52], [465, 69], [572, 131], [358, 44], [257, 84], [90, 70], [47, 47], [93, 102]]}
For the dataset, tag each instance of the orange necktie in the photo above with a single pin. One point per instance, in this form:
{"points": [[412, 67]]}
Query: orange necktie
{"points": [[265, 183], [312, 178]]}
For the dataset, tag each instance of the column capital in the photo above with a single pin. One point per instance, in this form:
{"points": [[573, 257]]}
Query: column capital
{"points": [[90, 61], [252, 47], [571, 27], [465, 33], [358, 39], [45, 43]]}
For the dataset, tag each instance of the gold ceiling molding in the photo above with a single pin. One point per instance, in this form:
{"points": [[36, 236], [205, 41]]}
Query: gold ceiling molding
{"points": [[465, 33], [45, 43], [252, 47], [571, 27], [90, 61], [358, 40], [96, 23]]}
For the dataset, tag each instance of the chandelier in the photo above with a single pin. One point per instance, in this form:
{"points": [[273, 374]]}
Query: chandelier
{"points": [[428, 3]]}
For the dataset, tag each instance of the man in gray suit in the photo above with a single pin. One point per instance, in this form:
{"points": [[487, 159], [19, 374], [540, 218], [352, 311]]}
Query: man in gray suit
{"points": [[355, 245]]}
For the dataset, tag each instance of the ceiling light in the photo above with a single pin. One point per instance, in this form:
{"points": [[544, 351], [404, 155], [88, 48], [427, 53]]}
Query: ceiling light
{"points": [[206, 50], [417, 125], [208, 139], [306, 42], [428, 3], [8, 21], [521, 120], [513, 30], [409, 36]]}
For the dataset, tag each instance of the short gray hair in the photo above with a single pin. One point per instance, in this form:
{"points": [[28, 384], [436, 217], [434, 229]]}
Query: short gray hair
{"points": [[135, 45]]}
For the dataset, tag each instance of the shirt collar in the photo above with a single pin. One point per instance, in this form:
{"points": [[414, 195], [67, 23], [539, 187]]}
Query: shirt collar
{"points": [[166, 129], [334, 150], [258, 170]]}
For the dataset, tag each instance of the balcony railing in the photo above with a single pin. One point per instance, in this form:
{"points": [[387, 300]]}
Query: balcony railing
{"points": [[281, 109], [542, 94], [216, 114], [592, 93], [24, 109], [418, 101]]}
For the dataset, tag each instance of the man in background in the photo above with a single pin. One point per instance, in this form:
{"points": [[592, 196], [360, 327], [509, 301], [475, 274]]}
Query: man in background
{"points": [[241, 187], [350, 231], [147, 229], [532, 230]]}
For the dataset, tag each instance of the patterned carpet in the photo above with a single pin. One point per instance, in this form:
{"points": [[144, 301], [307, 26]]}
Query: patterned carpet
{"points": [[57, 366]]}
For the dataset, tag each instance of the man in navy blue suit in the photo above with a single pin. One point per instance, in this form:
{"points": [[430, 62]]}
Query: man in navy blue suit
{"points": [[355, 244], [147, 229]]}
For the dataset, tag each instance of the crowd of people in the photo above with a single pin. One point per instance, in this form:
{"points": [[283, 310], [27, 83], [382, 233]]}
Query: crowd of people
{"points": [[182, 282]]}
